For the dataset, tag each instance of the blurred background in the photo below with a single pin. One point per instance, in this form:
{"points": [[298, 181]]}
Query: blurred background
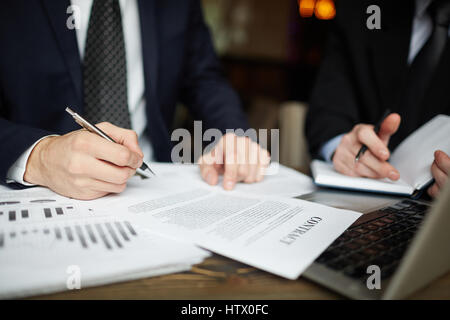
{"points": [[271, 51]]}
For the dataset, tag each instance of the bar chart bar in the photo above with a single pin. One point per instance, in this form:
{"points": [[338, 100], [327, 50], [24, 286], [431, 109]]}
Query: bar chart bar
{"points": [[122, 231], [91, 233], [58, 233], [25, 214], [69, 233], [48, 213], [113, 234], [103, 236], [81, 237], [130, 228]]}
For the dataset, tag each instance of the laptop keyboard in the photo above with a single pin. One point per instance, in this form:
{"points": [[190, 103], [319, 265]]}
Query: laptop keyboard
{"points": [[377, 238]]}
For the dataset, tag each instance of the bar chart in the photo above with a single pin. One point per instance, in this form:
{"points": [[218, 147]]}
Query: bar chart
{"points": [[109, 234], [13, 214]]}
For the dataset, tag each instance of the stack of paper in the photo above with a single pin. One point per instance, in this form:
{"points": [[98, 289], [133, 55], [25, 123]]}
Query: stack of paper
{"points": [[49, 245]]}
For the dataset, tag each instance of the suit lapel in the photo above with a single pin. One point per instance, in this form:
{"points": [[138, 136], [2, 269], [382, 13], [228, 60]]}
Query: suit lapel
{"points": [[56, 11], [389, 52]]}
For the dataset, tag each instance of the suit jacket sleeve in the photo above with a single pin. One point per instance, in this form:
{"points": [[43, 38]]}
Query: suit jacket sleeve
{"points": [[14, 140], [204, 89], [333, 104]]}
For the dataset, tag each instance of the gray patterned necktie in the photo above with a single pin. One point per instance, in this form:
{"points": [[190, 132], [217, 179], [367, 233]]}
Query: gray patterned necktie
{"points": [[104, 66]]}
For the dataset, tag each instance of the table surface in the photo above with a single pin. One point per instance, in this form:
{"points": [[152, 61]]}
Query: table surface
{"points": [[221, 278]]}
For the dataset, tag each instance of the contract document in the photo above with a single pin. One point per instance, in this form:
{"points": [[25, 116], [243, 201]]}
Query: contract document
{"points": [[279, 235]]}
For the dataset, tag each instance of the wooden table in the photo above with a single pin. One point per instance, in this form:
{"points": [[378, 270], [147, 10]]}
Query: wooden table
{"points": [[221, 278]]}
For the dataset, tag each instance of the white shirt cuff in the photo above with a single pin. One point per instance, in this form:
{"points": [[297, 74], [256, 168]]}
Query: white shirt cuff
{"points": [[17, 171], [329, 147]]}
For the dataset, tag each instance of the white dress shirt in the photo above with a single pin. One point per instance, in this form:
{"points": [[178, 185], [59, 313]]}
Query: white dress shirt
{"points": [[135, 77], [421, 31]]}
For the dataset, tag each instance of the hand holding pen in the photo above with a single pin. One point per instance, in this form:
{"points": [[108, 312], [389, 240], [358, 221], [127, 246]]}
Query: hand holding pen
{"points": [[364, 152], [83, 165]]}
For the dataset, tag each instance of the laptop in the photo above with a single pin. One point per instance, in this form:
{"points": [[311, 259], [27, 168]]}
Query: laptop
{"points": [[389, 252]]}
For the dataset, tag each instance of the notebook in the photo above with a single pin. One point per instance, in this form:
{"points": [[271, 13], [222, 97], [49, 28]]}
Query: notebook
{"points": [[412, 158]]}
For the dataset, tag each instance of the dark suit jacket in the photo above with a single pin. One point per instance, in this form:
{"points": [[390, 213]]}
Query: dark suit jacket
{"points": [[41, 74], [364, 73]]}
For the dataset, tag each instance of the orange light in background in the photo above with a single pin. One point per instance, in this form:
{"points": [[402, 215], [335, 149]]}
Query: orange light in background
{"points": [[306, 8], [325, 9]]}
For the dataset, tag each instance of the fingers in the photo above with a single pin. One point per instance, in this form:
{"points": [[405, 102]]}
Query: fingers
{"points": [[230, 176], [107, 172], [373, 163], [366, 136], [105, 150], [344, 160], [388, 127], [89, 189], [238, 158], [442, 160], [125, 137], [380, 169], [208, 169], [440, 170], [433, 191]]}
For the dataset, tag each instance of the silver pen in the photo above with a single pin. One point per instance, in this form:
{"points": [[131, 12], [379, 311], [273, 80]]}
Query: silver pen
{"points": [[92, 128]]}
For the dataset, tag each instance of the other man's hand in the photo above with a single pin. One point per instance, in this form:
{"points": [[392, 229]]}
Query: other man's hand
{"points": [[440, 169], [84, 166], [373, 164], [237, 158]]}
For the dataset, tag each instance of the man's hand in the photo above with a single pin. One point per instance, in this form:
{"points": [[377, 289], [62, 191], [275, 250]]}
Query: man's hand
{"points": [[440, 169], [373, 164], [237, 158], [84, 166]]}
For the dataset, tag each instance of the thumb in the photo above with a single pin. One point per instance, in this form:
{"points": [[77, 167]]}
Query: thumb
{"points": [[388, 127], [125, 137]]}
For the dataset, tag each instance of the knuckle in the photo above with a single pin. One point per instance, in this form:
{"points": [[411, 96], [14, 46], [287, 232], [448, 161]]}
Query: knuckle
{"points": [[124, 157], [346, 138], [80, 143], [133, 134], [105, 124], [74, 167], [361, 134]]}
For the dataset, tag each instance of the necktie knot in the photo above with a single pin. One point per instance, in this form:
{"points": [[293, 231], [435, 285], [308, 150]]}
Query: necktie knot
{"points": [[440, 12]]}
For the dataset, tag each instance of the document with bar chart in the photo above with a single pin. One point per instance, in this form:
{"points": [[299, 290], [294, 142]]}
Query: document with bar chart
{"points": [[49, 245]]}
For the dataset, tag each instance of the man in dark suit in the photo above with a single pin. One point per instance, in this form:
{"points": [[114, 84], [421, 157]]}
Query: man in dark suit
{"points": [[404, 66], [126, 62]]}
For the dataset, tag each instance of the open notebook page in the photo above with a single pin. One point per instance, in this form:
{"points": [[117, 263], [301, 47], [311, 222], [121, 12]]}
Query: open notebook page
{"points": [[414, 156]]}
